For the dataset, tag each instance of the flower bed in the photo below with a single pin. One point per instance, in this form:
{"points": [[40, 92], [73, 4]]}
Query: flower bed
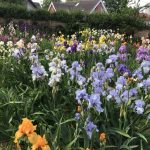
{"points": [[89, 90]]}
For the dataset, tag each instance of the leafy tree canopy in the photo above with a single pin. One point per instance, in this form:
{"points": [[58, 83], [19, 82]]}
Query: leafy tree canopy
{"points": [[19, 2]]}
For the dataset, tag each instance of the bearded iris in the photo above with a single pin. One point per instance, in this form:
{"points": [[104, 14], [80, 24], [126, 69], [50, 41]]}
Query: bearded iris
{"points": [[90, 127]]}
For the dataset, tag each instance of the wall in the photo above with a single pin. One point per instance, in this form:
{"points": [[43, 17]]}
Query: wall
{"points": [[143, 33]]}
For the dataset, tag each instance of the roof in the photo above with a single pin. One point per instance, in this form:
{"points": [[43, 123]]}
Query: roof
{"points": [[37, 5], [83, 5], [32, 3]]}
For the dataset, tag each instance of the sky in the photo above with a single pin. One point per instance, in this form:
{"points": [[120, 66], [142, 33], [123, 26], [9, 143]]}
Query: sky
{"points": [[143, 2]]}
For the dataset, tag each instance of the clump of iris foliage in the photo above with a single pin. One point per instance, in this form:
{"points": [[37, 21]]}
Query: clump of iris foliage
{"points": [[89, 90]]}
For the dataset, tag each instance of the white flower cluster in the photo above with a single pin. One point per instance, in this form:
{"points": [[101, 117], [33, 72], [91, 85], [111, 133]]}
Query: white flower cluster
{"points": [[2, 49], [11, 29], [1, 30], [55, 67]]}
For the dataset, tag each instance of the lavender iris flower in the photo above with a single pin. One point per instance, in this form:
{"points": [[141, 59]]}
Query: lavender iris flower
{"points": [[122, 57], [97, 86], [81, 80], [148, 117], [122, 68], [75, 70], [143, 54], [121, 82], [77, 116], [90, 127], [146, 66], [125, 96], [133, 92], [74, 47], [122, 49], [94, 101], [109, 73], [18, 53], [111, 59], [138, 74], [139, 106], [38, 71], [81, 94]]}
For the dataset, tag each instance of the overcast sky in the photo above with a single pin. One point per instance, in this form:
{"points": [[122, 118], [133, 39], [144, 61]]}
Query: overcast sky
{"points": [[143, 2]]}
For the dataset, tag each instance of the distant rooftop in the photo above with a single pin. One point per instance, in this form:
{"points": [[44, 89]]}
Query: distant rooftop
{"points": [[83, 5]]}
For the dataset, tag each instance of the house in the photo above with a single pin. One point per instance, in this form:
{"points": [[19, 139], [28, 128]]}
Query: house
{"points": [[38, 6], [146, 17], [30, 5], [147, 10], [89, 6]]}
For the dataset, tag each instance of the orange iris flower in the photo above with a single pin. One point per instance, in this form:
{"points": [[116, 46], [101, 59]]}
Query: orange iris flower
{"points": [[26, 128], [38, 141], [102, 137]]}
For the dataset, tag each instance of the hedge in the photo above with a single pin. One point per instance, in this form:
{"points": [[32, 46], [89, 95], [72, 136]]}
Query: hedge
{"points": [[75, 20]]}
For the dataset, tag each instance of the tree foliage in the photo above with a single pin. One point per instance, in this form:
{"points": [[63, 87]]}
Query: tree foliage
{"points": [[116, 5], [20, 2]]}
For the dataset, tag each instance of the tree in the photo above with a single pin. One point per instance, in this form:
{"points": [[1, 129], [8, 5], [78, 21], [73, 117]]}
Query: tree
{"points": [[119, 5], [116, 5], [19, 2]]}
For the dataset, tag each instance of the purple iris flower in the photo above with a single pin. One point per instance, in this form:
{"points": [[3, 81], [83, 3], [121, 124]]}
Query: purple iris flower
{"points": [[18, 53], [34, 57], [147, 57], [91, 38], [133, 92], [75, 64], [38, 71], [81, 80], [122, 57], [143, 54], [74, 47], [90, 127], [81, 94], [122, 49], [95, 75], [122, 68], [77, 116], [94, 101], [114, 93], [145, 66], [121, 80], [125, 96], [147, 82], [75, 70], [97, 85], [91, 51], [109, 73], [68, 50], [139, 103], [139, 106], [138, 74], [113, 57]]}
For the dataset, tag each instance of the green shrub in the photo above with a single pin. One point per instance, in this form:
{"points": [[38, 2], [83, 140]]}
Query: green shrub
{"points": [[76, 20]]}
